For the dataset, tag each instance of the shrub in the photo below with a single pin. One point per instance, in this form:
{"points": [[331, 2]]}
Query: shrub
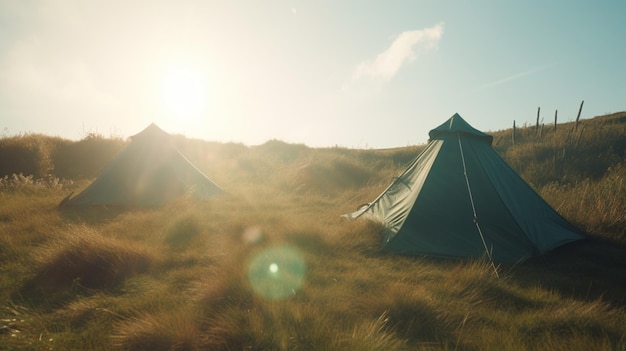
{"points": [[85, 158], [27, 154]]}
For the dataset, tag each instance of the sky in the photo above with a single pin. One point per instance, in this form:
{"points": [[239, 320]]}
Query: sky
{"points": [[356, 74]]}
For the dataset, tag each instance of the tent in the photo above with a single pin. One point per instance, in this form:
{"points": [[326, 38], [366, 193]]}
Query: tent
{"points": [[458, 198], [149, 171]]}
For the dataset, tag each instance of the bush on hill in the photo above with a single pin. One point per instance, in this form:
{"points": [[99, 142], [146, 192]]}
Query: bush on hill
{"points": [[86, 158], [43, 156], [27, 154]]}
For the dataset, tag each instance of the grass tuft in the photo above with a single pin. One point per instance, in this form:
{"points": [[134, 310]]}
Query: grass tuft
{"points": [[182, 231], [164, 331], [89, 260]]}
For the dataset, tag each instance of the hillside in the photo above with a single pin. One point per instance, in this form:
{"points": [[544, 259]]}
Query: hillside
{"points": [[185, 276]]}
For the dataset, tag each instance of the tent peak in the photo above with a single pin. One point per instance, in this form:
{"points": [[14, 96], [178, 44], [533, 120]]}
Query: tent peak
{"points": [[151, 132], [457, 125]]}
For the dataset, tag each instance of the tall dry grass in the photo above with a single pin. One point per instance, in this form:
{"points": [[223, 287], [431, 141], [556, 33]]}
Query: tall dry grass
{"points": [[178, 277], [579, 170]]}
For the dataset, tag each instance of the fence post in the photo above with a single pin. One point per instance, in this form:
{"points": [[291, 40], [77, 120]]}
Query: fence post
{"points": [[513, 135], [578, 117], [537, 125], [555, 113]]}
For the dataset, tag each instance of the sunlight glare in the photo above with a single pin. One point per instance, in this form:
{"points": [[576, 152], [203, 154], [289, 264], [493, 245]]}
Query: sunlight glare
{"points": [[184, 93]]}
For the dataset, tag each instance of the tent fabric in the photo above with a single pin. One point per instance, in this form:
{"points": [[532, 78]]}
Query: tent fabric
{"points": [[457, 125], [428, 209], [149, 171]]}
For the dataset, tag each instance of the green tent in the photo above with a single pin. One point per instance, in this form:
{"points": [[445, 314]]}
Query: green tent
{"points": [[458, 198], [149, 171]]}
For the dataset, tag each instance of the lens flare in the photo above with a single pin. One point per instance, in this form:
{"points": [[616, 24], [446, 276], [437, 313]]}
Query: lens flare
{"points": [[277, 272], [273, 268]]}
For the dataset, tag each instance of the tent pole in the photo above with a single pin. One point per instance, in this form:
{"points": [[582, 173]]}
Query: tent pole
{"points": [[469, 191]]}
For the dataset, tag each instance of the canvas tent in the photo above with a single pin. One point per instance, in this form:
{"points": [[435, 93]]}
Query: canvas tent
{"points": [[458, 198], [149, 171]]}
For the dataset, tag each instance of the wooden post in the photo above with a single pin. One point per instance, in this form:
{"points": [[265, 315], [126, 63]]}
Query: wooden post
{"points": [[579, 111], [513, 135], [537, 125], [555, 113]]}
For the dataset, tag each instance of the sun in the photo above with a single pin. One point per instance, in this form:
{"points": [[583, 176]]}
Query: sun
{"points": [[184, 93]]}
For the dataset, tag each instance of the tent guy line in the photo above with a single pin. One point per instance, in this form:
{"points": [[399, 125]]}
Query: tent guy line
{"points": [[476, 223]]}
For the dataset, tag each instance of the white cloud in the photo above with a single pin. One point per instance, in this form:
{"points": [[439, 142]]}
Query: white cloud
{"points": [[402, 50]]}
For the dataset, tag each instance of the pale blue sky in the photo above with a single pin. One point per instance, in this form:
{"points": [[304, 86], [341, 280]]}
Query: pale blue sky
{"points": [[358, 74]]}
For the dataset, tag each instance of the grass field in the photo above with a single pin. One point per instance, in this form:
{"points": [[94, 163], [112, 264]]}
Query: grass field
{"points": [[270, 265]]}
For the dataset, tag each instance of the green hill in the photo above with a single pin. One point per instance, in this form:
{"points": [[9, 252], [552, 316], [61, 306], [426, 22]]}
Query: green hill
{"points": [[186, 276]]}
